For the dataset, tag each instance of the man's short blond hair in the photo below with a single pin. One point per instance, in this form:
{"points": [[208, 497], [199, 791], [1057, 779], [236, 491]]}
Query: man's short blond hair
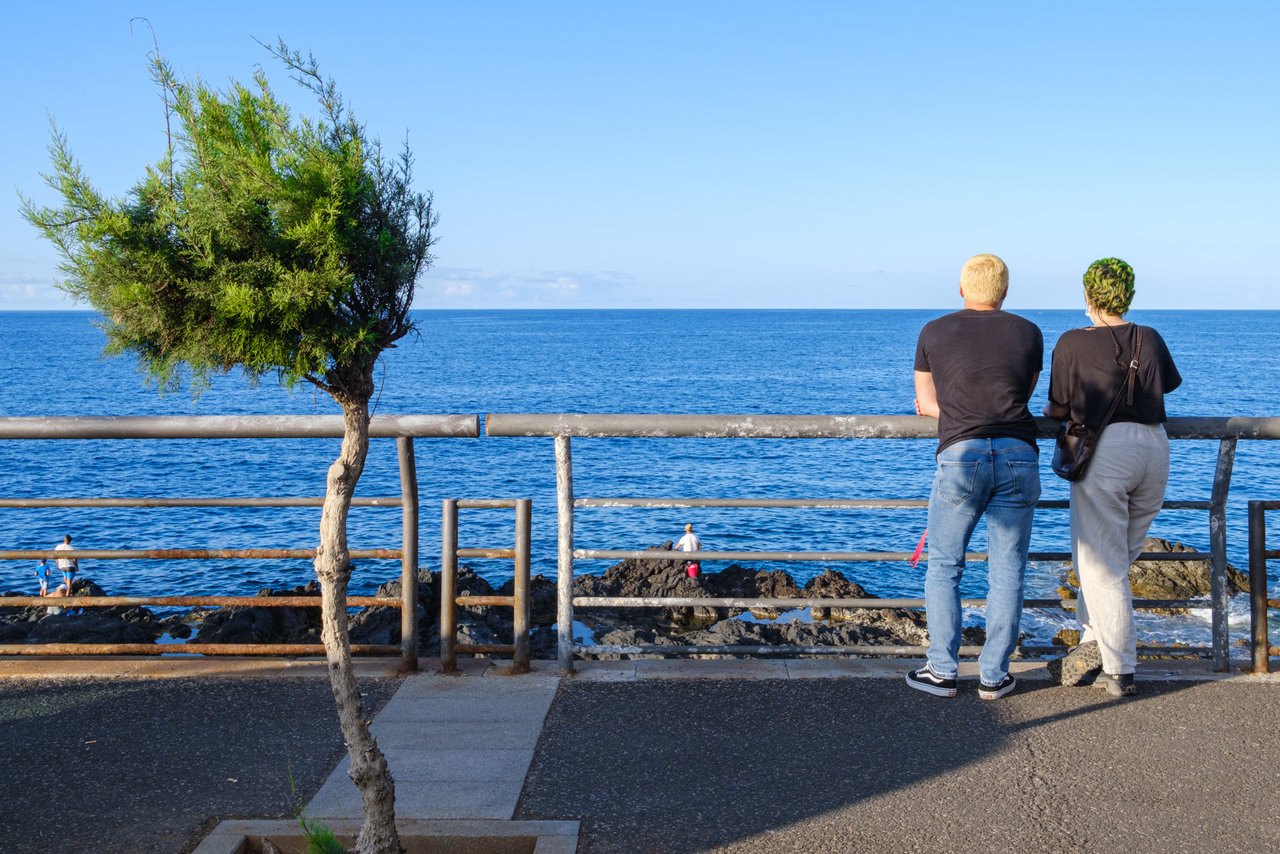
{"points": [[984, 279]]}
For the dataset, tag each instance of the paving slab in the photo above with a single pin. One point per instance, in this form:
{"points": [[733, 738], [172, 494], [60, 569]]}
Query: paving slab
{"points": [[459, 746], [464, 735]]}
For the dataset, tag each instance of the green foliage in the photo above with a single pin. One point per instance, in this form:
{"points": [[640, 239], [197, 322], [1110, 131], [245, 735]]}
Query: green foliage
{"points": [[320, 839], [1108, 285], [258, 241]]}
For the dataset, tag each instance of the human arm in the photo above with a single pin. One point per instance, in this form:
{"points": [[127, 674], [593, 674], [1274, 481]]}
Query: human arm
{"points": [[1048, 406], [1056, 410], [926, 395]]}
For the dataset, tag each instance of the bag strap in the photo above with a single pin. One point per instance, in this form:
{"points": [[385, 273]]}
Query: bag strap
{"points": [[1130, 380]]}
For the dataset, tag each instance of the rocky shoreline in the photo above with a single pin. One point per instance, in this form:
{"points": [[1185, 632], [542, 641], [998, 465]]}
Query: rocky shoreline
{"points": [[700, 626]]}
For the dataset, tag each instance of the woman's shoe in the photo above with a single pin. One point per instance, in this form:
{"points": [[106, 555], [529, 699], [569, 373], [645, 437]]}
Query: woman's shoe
{"points": [[1076, 665], [1117, 684]]}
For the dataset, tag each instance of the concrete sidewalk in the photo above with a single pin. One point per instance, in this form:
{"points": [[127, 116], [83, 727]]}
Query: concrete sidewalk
{"points": [[759, 757], [461, 746], [731, 756]]}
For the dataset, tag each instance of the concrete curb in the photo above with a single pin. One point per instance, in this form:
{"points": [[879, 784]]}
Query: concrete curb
{"points": [[444, 837]]}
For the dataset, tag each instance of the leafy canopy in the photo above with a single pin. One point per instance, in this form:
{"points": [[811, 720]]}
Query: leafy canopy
{"points": [[258, 241]]}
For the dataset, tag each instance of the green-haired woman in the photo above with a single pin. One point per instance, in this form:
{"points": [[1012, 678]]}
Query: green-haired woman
{"points": [[1113, 505]]}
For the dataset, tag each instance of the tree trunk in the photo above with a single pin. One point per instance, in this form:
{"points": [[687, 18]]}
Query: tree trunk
{"points": [[333, 567]]}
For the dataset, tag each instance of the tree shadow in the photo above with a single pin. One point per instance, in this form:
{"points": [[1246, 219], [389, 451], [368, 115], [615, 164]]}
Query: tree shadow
{"points": [[142, 765]]}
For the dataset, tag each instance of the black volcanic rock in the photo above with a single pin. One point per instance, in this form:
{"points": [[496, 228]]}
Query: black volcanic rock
{"points": [[256, 624]]}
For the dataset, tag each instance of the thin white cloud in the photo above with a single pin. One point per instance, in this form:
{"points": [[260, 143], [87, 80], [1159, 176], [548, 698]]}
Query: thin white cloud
{"points": [[469, 288], [23, 291], [564, 287]]}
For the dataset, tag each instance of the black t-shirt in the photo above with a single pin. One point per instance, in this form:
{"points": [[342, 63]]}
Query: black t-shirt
{"points": [[1089, 365], [983, 364]]}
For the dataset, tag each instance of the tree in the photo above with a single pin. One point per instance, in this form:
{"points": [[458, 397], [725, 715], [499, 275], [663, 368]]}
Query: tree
{"points": [[272, 246]]}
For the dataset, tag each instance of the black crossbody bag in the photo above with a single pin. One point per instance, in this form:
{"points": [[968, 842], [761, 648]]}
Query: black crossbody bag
{"points": [[1075, 443]]}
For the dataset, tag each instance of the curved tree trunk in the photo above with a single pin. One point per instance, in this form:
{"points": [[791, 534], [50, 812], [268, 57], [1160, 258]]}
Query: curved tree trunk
{"points": [[333, 567]]}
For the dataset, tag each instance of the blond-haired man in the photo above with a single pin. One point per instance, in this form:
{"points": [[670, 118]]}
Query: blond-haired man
{"points": [[975, 370]]}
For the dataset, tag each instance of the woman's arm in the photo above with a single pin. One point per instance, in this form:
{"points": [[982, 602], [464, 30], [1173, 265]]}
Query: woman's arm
{"points": [[1057, 410]]}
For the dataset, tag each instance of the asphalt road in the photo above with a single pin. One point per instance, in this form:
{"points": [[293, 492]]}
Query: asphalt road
{"points": [[149, 766], [868, 765]]}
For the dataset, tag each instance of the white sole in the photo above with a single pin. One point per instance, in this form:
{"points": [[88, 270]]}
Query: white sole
{"points": [[930, 689]]}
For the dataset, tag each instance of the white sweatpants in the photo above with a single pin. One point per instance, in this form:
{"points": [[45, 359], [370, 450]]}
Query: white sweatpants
{"points": [[1112, 508]]}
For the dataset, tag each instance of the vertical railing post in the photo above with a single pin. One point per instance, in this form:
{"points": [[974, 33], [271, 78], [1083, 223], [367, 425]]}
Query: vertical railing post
{"points": [[564, 554], [520, 620], [448, 586], [1259, 640], [408, 554], [1219, 592]]}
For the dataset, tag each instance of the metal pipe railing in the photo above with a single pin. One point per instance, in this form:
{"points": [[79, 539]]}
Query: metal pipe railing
{"points": [[290, 649], [401, 427], [233, 427], [408, 553], [77, 602], [783, 557], [794, 602], [656, 426], [189, 554], [566, 426], [450, 601], [1259, 603]]}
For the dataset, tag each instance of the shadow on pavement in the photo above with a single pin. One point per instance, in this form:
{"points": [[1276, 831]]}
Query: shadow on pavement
{"points": [[148, 766], [870, 765]]}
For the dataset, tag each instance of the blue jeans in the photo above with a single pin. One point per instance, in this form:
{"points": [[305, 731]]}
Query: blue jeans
{"points": [[1001, 478]]}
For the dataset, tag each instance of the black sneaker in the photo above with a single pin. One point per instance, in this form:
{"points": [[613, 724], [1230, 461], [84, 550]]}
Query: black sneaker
{"points": [[998, 690], [1077, 665], [1117, 684], [926, 680]]}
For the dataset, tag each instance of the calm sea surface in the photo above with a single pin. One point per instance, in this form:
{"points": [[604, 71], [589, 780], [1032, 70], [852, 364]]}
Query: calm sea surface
{"points": [[780, 362]]}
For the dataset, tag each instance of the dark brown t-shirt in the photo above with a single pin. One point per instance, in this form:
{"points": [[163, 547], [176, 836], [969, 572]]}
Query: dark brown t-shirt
{"points": [[982, 364], [1089, 365]]}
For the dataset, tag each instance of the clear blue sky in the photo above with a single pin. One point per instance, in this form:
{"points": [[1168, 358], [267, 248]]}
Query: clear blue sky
{"points": [[731, 154]]}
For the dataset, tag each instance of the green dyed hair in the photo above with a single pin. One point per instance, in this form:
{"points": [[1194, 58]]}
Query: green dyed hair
{"points": [[1108, 284]]}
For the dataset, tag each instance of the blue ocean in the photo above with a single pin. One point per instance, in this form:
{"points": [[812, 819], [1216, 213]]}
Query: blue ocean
{"points": [[606, 361]]}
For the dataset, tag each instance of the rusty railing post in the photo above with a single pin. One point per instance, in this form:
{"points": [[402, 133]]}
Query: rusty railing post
{"points": [[409, 558], [520, 619], [1258, 587], [1219, 592], [448, 587], [564, 554]]}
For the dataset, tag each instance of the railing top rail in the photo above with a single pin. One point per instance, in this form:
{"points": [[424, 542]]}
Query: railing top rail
{"points": [[841, 557], [232, 426], [750, 426], [1265, 505], [761, 426]]}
